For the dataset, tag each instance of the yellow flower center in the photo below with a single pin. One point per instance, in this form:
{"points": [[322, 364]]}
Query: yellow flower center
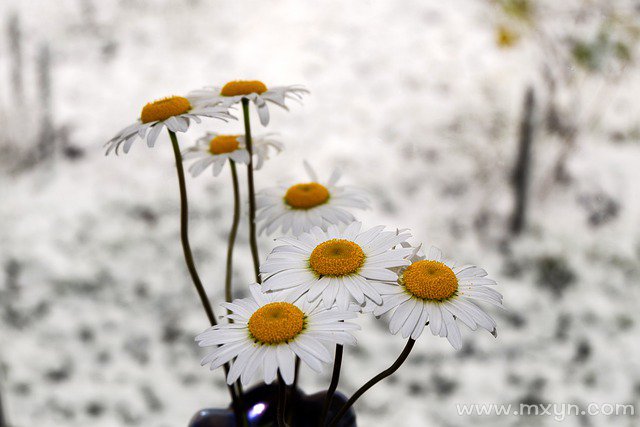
{"points": [[243, 87], [164, 108], [276, 323], [223, 144], [336, 257], [430, 280], [306, 196]]}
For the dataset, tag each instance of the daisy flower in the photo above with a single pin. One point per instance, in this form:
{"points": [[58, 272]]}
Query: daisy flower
{"points": [[214, 149], [334, 265], [174, 112], [434, 291], [269, 333], [254, 90], [301, 206]]}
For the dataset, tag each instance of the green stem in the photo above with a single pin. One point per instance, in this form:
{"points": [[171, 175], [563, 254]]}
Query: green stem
{"points": [[228, 295], [295, 376], [373, 381], [253, 241], [282, 401], [188, 256], [335, 378], [294, 390]]}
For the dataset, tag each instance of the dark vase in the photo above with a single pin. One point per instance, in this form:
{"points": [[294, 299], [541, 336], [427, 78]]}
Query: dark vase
{"points": [[261, 404]]}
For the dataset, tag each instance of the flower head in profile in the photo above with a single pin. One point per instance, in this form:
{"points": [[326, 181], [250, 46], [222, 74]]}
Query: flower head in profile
{"points": [[174, 112], [299, 207], [434, 291], [233, 92], [268, 333], [215, 149], [336, 265]]}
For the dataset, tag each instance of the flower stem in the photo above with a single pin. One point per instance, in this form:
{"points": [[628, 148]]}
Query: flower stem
{"points": [[252, 193], [282, 401], [294, 386], [373, 381], [188, 257], [335, 377], [228, 295]]}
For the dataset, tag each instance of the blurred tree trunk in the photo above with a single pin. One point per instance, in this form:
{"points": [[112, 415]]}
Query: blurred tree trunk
{"points": [[522, 169], [47, 137], [16, 55]]}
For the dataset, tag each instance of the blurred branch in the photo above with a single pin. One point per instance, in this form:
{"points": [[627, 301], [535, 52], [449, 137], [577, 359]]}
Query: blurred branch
{"points": [[521, 172], [15, 52], [47, 134]]}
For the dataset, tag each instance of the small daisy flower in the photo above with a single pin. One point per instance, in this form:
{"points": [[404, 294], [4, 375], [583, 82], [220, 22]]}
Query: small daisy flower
{"points": [[269, 333], [174, 112], [432, 290], [335, 266], [254, 90], [302, 206], [214, 149]]}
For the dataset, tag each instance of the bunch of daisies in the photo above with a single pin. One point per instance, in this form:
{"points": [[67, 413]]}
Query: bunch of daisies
{"points": [[327, 269]]}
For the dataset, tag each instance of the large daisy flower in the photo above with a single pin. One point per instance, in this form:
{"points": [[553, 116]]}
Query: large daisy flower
{"points": [[254, 90], [214, 149], [302, 206], [334, 265], [174, 112], [434, 291], [268, 333]]}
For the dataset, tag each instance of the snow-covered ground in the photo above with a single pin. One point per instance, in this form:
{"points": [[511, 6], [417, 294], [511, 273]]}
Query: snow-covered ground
{"points": [[412, 100]]}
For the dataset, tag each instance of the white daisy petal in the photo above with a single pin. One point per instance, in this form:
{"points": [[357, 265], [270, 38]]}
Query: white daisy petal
{"points": [[378, 274], [310, 171], [435, 318], [318, 287], [453, 332], [286, 362], [401, 315], [270, 365], [287, 279], [412, 320], [263, 111], [252, 365], [153, 134], [420, 324]]}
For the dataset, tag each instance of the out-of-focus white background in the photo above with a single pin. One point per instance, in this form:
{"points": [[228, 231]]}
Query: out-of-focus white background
{"points": [[418, 102]]}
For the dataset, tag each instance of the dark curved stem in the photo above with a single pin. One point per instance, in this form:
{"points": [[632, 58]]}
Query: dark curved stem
{"points": [[335, 378], [253, 241], [282, 401], [188, 256], [295, 376], [373, 381], [228, 295]]}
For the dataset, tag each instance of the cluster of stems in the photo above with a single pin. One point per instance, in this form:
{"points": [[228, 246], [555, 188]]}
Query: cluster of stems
{"points": [[235, 390]]}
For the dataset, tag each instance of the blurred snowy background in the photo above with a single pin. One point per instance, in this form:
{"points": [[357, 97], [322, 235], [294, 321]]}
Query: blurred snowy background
{"points": [[423, 103]]}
